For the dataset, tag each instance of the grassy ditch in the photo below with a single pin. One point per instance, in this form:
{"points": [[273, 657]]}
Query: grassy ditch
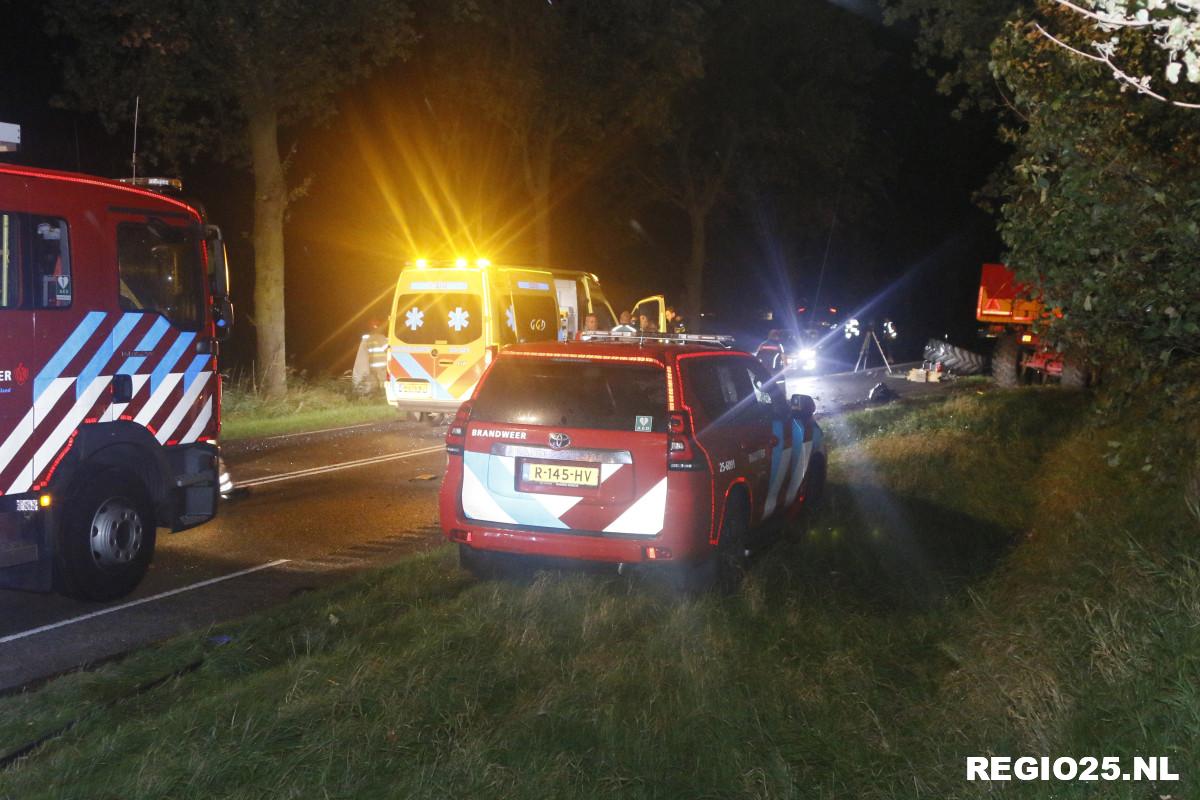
{"points": [[991, 574], [310, 404]]}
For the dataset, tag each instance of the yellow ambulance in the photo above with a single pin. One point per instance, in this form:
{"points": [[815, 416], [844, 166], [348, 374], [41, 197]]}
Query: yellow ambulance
{"points": [[450, 318]]}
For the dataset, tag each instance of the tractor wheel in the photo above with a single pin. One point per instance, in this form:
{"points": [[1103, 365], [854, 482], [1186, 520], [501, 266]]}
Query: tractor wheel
{"points": [[1075, 373], [1006, 362], [960, 361]]}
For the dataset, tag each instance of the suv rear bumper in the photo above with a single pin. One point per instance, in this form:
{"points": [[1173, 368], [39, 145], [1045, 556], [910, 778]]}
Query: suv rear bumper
{"points": [[685, 533]]}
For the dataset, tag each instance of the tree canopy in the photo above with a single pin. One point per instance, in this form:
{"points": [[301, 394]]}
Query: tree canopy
{"points": [[1100, 199], [219, 78]]}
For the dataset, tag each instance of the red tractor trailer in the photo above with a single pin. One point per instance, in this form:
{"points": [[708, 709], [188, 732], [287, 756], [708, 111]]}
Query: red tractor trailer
{"points": [[1009, 310], [113, 299]]}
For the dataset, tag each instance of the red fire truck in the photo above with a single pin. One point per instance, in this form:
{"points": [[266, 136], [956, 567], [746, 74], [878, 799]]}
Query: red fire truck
{"points": [[113, 299]]}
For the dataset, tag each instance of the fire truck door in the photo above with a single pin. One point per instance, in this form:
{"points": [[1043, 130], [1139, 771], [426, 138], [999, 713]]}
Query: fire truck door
{"points": [[17, 360]]}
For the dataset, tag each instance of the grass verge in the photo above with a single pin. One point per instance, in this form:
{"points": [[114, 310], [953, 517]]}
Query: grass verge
{"points": [[992, 574], [308, 405]]}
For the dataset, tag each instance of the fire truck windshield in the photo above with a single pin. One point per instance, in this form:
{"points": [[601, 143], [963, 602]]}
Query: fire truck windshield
{"points": [[160, 270]]}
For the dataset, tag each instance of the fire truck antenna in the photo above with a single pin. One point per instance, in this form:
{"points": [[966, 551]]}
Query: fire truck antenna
{"points": [[137, 102]]}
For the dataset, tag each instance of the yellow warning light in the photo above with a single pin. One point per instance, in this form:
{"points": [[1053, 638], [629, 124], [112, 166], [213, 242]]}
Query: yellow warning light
{"points": [[1026, 338], [482, 262], [422, 263], [460, 262], [44, 501]]}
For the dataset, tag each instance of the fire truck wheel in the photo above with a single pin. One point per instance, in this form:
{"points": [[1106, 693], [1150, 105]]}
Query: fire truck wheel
{"points": [[106, 538], [1006, 362]]}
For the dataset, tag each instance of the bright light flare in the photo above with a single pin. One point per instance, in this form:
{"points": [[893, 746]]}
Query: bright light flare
{"points": [[852, 329], [421, 263]]}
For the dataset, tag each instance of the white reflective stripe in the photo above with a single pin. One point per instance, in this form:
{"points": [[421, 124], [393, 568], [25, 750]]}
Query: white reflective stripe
{"points": [[608, 470], [646, 515], [477, 502], [16, 439], [798, 476], [66, 426], [201, 420], [158, 398], [182, 407], [555, 504], [785, 465]]}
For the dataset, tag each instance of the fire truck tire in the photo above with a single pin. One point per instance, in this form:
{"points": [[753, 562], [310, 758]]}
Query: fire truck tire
{"points": [[106, 538], [814, 484], [1006, 362]]}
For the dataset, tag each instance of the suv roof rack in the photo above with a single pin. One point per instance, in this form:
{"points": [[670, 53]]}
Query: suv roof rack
{"points": [[724, 342]]}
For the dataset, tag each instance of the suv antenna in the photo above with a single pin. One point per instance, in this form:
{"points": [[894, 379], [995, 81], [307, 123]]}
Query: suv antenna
{"points": [[137, 102]]}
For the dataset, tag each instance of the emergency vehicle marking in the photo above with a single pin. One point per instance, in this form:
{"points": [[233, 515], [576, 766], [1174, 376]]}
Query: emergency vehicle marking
{"points": [[179, 395], [646, 515], [485, 433], [489, 494]]}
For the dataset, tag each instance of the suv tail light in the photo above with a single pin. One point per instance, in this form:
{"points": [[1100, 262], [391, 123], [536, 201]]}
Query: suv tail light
{"points": [[456, 435], [682, 452]]}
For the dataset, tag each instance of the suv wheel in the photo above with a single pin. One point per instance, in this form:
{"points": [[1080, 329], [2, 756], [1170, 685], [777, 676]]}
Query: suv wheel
{"points": [[479, 563], [726, 566]]}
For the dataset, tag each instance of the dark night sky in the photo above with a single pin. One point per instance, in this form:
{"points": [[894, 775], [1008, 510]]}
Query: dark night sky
{"points": [[926, 242]]}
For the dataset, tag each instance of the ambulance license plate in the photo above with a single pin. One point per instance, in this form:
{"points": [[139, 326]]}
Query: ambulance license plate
{"points": [[558, 475], [416, 388]]}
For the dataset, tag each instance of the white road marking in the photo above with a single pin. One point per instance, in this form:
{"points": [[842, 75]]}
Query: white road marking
{"points": [[361, 462], [63, 623]]}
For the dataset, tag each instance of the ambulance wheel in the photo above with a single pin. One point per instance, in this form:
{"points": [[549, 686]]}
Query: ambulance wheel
{"points": [[106, 538]]}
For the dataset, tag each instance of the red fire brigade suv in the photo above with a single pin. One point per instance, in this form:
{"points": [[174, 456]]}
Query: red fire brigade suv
{"points": [[627, 450], [111, 301]]}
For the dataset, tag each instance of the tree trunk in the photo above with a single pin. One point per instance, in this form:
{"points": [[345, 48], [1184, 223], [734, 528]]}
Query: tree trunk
{"points": [[543, 176], [695, 274], [270, 203]]}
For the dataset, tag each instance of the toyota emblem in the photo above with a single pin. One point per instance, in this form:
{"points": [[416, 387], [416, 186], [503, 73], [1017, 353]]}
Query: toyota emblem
{"points": [[559, 440]]}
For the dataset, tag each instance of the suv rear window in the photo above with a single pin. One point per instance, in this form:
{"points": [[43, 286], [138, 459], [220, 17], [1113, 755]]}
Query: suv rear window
{"points": [[574, 394]]}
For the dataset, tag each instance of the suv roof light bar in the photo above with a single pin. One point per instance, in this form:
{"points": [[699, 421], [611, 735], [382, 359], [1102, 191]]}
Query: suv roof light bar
{"points": [[154, 184], [724, 342]]}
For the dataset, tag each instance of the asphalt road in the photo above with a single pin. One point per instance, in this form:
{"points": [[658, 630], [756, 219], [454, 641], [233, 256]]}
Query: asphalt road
{"points": [[318, 507], [315, 509]]}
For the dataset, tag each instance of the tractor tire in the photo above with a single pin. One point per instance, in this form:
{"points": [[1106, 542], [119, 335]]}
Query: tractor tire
{"points": [[1006, 362], [1075, 373], [955, 359], [106, 538]]}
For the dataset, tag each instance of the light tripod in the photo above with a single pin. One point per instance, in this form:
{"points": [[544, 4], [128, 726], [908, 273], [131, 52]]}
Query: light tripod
{"points": [[864, 352]]}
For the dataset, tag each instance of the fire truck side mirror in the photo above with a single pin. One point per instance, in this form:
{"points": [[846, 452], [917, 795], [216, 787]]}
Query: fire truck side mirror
{"points": [[218, 268]]}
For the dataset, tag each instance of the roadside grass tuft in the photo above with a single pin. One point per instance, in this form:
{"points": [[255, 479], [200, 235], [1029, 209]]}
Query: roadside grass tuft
{"points": [[982, 580], [310, 404]]}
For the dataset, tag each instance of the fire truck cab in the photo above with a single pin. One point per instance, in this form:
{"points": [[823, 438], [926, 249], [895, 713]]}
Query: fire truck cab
{"points": [[113, 299]]}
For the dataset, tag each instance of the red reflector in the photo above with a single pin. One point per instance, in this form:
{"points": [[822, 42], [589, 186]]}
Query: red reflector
{"points": [[459, 535], [658, 553]]}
